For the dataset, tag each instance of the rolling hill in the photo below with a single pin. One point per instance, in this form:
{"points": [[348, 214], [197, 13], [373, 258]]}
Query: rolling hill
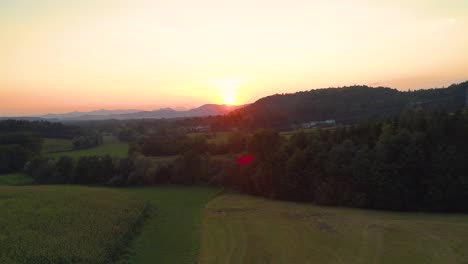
{"points": [[345, 105]]}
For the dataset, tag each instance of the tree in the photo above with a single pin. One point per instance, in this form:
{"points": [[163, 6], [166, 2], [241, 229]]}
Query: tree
{"points": [[63, 170]]}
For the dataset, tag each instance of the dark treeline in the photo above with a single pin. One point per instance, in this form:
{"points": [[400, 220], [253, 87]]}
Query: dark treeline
{"points": [[43, 129], [413, 162], [189, 168], [86, 170], [173, 142], [16, 149], [88, 140]]}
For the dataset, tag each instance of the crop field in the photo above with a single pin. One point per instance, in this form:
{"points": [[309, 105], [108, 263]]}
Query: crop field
{"points": [[66, 224], [245, 229], [77, 224], [171, 232], [110, 146], [51, 145], [15, 179]]}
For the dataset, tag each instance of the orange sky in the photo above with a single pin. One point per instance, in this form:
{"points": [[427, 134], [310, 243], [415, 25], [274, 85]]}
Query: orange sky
{"points": [[59, 56]]}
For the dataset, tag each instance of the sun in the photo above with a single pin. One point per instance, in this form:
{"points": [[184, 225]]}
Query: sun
{"points": [[229, 98], [227, 90]]}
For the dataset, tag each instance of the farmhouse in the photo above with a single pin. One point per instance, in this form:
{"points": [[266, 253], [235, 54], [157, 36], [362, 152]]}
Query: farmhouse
{"points": [[312, 124]]}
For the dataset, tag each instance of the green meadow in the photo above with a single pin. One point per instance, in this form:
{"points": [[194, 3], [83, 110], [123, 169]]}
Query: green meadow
{"points": [[171, 233], [111, 146], [15, 179], [244, 229], [51, 145], [214, 138]]}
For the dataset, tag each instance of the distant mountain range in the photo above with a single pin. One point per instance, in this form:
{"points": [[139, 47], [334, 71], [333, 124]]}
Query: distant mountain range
{"points": [[345, 105], [76, 114], [103, 114]]}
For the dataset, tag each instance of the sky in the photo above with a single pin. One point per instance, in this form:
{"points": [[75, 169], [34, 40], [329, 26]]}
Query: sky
{"points": [[60, 56]]}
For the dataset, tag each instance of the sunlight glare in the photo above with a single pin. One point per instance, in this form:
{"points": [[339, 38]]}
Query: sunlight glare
{"points": [[228, 90]]}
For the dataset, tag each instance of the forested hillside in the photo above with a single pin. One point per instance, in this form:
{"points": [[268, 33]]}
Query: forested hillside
{"points": [[345, 105]]}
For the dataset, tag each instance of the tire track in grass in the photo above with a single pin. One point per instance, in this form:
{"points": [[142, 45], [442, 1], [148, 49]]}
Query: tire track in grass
{"points": [[294, 233]]}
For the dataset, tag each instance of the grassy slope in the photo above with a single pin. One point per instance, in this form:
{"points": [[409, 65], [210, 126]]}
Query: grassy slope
{"points": [[244, 229], [15, 179], [110, 147], [171, 233], [65, 224]]}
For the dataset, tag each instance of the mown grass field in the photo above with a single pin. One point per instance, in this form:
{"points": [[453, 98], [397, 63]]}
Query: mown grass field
{"points": [[66, 224], [245, 229], [15, 179], [50, 145], [111, 146], [171, 233]]}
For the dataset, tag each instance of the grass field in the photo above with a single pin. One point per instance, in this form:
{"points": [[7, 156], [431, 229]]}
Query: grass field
{"points": [[244, 229], [111, 146], [15, 179], [65, 224], [215, 138], [171, 233], [51, 145]]}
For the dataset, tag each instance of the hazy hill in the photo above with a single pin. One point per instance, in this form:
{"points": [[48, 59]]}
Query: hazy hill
{"points": [[77, 114], [346, 104], [204, 110], [26, 118]]}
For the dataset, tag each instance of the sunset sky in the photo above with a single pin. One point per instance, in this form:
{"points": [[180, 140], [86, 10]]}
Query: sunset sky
{"points": [[60, 56]]}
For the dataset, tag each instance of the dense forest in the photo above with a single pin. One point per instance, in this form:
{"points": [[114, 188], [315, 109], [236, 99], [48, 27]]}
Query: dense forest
{"points": [[43, 129], [16, 149], [345, 105], [415, 161]]}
